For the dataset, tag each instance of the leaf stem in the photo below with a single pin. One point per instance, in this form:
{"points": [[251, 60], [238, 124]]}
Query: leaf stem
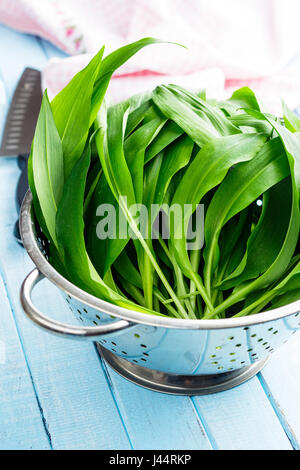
{"points": [[231, 300], [139, 236], [147, 280], [195, 261]]}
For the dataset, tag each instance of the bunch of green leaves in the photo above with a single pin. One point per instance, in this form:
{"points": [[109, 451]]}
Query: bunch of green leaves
{"points": [[169, 148]]}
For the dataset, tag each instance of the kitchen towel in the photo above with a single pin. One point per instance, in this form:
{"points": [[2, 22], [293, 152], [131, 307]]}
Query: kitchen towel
{"points": [[229, 43]]}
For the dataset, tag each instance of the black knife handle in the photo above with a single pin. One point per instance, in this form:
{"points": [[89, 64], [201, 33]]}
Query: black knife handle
{"points": [[22, 188], [22, 160]]}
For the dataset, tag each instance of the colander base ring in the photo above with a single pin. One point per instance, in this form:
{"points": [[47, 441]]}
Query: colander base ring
{"points": [[176, 384]]}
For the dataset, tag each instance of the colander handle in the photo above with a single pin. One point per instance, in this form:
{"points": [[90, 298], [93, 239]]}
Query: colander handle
{"points": [[91, 333]]}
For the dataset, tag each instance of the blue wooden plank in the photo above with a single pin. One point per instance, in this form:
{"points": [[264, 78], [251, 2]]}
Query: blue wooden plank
{"points": [[158, 421], [78, 408], [21, 421], [21, 425], [242, 419], [281, 381]]}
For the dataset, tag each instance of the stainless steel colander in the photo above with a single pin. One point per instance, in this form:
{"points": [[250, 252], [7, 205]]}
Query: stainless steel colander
{"points": [[185, 357]]}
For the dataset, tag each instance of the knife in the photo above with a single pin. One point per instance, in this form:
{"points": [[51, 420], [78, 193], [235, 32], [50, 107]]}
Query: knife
{"points": [[20, 126]]}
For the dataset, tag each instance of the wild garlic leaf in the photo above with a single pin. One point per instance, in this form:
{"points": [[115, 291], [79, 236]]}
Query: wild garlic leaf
{"points": [[290, 282], [71, 111], [168, 134], [104, 251], [286, 298], [291, 120], [206, 111], [124, 266], [109, 65], [46, 174], [197, 128], [139, 105], [244, 98], [233, 243], [247, 122], [176, 157], [287, 290], [267, 238], [242, 186], [70, 228], [206, 171], [283, 257], [135, 147], [110, 248], [70, 236], [109, 142], [291, 144]]}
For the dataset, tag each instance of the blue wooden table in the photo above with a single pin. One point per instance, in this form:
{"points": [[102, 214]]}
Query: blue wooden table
{"points": [[58, 394]]}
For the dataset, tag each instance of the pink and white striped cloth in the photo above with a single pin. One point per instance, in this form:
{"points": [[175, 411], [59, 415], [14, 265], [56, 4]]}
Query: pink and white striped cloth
{"points": [[230, 43]]}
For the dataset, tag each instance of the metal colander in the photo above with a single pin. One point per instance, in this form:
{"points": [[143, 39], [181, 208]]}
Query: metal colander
{"points": [[164, 354]]}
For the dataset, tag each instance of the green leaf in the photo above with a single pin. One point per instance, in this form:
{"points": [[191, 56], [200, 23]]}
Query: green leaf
{"points": [[205, 110], [285, 292], [291, 143], [135, 147], [169, 133], [70, 230], [110, 64], [206, 171], [286, 298], [292, 122], [242, 186], [104, 251], [116, 182], [244, 98], [245, 122], [283, 258], [290, 282], [127, 270], [118, 57], [139, 105], [46, 174], [71, 111], [199, 129], [176, 157], [109, 142], [76, 106], [233, 243], [267, 238], [70, 236]]}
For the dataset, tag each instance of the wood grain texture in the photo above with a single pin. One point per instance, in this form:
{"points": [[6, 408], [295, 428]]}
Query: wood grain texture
{"points": [[158, 421], [281, 382], [21, 426], [242, 419]]}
